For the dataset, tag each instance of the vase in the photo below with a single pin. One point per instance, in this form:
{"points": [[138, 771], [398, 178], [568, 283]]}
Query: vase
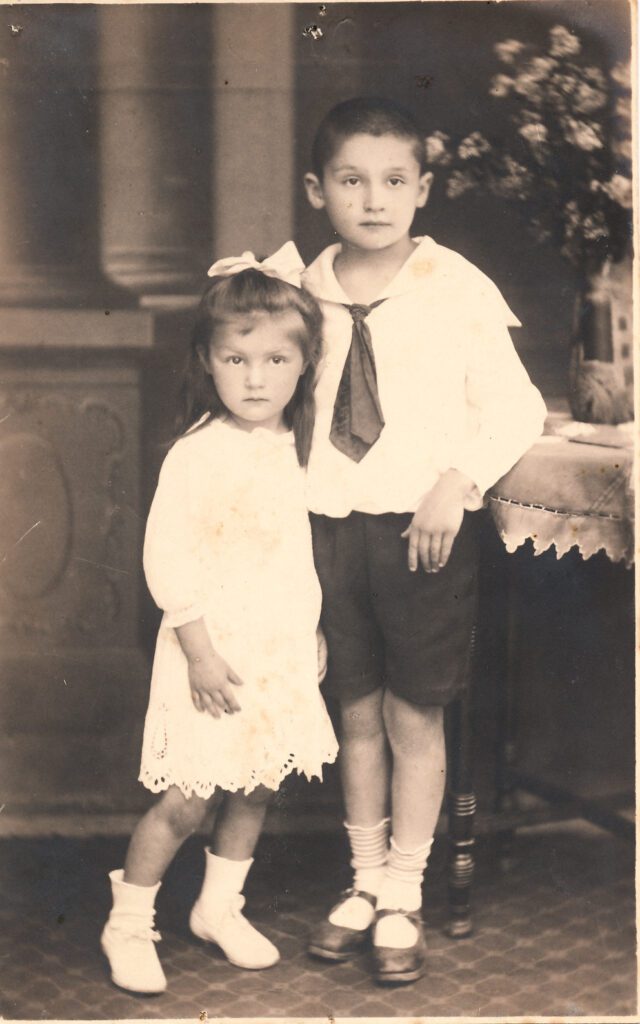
{"points": [[600, 373]]}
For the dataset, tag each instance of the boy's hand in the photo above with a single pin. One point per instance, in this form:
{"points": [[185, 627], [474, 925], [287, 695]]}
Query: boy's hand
{"points": [[212, 682], [437, 521]]}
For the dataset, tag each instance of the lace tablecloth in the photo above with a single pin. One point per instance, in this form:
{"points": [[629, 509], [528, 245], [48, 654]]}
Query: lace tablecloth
{"points": [[574, 488]]}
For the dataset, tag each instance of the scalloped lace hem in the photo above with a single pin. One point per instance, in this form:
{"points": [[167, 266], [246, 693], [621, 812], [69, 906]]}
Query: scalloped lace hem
{"points": [[566, 530], [160, 781]]}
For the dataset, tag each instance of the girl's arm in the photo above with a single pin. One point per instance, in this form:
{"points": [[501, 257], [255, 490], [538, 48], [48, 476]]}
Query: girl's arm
{"points": [[172, 565], [210, 678], [174, 571]]}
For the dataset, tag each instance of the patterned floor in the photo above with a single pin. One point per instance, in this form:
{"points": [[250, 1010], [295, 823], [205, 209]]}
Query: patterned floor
{"points": [[555, 936]]}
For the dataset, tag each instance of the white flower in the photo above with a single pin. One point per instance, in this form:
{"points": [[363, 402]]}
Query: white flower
{"points": [[594, 75], [474, 145], [623, 148], [436, 148], [527, 85], [585, 99], [563, 42], [541, 67], [516, 183], [458, 184], [618, 188], [501, 85], [572, 217], [533, 132], [621, 74], [581, 134], [594, 227], [623, 107], [508, 50]]}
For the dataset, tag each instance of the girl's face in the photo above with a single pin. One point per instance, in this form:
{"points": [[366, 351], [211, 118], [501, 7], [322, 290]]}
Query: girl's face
{"points": [[256, 362]]}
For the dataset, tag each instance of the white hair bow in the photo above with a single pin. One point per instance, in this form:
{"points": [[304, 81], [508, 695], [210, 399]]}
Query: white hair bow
{"points": [[285, 264]]}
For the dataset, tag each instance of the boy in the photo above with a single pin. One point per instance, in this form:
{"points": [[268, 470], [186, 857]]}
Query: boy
{"points": [[422, 404]]}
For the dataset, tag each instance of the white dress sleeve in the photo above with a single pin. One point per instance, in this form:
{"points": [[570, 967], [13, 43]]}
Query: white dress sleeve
{"points": [[172, 566], [507, 411]]}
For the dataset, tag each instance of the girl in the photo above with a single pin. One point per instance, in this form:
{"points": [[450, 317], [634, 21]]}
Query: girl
{"points": [[234, 702]]}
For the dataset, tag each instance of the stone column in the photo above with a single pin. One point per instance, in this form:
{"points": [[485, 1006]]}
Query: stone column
{"points": [[252, 127], [154, 114], [48, 141]]}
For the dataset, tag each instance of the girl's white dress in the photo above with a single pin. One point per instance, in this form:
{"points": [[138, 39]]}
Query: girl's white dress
{"points": [[228, 538]]}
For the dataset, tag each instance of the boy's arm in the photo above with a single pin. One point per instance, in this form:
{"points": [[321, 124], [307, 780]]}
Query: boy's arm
{"points": [[509, 410], [437, 520], [510, 414]]}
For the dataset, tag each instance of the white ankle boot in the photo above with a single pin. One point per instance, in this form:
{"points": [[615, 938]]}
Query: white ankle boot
{"points": [[217, 915], [128, 939]]}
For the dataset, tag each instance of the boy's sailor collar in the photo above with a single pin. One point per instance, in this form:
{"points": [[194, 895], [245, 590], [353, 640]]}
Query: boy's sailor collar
{"points": [[321, 280]]}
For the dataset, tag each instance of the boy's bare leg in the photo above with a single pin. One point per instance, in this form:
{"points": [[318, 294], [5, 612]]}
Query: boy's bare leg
{"points": [[364, 767], [364, 760], [416, 737]]}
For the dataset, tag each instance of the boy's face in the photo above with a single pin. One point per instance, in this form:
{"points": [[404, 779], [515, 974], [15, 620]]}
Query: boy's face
{"points": [[371, 189]]}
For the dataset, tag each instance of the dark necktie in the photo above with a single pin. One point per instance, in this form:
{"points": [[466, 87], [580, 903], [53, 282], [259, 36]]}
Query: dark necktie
{"points": [[357, 416]]}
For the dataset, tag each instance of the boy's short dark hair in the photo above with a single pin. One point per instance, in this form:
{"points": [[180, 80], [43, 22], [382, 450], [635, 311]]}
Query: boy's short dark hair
{"points": [[364, 115]]}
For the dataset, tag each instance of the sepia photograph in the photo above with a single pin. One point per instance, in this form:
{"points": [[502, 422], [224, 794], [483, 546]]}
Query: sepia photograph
{"points": [[316, 334]]}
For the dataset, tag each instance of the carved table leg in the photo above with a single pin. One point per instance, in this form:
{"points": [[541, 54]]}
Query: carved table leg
{"points": [[462, 807], [506, 753]]}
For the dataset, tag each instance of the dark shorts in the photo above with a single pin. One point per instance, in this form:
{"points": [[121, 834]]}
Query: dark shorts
{"points": [[389, 627]]}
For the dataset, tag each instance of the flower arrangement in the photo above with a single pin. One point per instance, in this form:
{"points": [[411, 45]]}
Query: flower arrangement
{"points": [[563, 151]]}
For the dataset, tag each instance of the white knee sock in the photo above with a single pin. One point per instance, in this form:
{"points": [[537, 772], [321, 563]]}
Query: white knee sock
{"points": [[369, 847], [133, 905], [223, 879], [401, 889]]}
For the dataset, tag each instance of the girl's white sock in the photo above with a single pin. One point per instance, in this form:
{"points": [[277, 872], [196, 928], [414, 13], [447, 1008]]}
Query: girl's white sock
{"points": [[223, 879], [369, 848], [401, 889]]}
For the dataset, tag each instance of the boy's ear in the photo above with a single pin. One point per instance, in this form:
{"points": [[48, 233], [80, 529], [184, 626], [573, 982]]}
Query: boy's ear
{"points": [[315, 195], [426, 181]]}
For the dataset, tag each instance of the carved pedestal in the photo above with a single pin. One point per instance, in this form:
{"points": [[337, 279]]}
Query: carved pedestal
{"points": [[73, 674]]}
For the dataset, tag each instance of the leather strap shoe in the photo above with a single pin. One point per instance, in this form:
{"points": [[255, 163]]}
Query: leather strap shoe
{"points": [[399, 966], [333, 941]]}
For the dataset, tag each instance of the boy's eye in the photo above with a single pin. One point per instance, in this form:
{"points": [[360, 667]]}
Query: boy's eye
{"points": [[352, 180], [394, 182]]}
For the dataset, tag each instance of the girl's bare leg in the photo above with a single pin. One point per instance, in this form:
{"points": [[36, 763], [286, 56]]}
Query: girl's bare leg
{"points": [[159, 835], [239, 823]]}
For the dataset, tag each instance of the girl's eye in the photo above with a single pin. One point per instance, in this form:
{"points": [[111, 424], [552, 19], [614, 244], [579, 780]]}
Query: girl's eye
{"points": [[278, 360], [235, 360]]}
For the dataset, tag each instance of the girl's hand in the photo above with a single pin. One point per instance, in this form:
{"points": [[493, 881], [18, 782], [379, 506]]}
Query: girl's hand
{"points": [[212, 683], [437, 521]]}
